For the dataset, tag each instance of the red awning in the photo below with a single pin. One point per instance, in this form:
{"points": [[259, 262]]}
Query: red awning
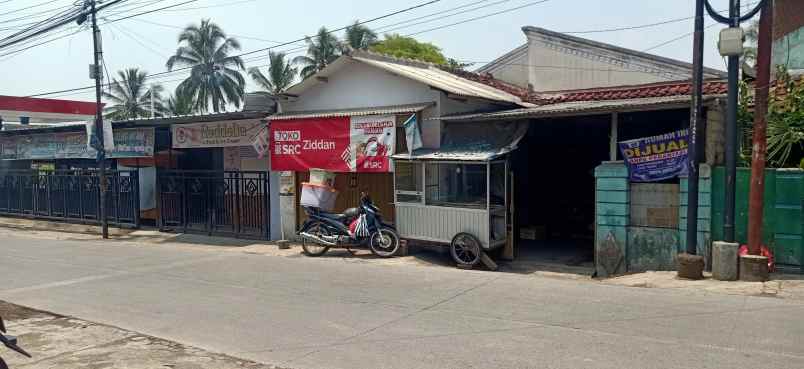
{"points": [[45, 110]]}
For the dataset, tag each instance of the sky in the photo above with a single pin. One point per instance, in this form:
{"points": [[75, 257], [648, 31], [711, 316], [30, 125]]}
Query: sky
{"points": [[146, 41]]}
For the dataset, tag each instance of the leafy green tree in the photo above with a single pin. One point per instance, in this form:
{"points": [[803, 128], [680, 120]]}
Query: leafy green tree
{"points": [[359, 37], [281, 74], [322, 49], [454, 64], [408, 47], [215, 77], [130, 96], [785, 119], [180, 103]]}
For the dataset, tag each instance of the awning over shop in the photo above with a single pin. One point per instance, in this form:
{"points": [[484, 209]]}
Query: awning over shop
{"points": [[473, 142], [576, 108], [354, 112]]}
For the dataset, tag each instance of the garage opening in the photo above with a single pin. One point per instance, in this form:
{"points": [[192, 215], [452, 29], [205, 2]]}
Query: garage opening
{"points": [[554, 189]]}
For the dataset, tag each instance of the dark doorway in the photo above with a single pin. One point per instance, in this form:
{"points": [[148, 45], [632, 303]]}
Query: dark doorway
{"points": [[555, 189]]}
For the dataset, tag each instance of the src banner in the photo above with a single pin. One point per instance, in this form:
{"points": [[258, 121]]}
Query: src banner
{"points": [[656, 158], [338, 144]]}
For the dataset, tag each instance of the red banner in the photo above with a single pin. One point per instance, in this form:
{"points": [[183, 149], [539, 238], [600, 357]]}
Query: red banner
{"points": [[301, 144], [339, 144]]}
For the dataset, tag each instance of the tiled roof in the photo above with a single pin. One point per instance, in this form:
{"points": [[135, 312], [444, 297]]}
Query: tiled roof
{"points": [[663, 89], [488, 80]]}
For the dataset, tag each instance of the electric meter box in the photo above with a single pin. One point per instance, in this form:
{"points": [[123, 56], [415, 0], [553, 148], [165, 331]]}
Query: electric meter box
{"points": [[731, 41]]}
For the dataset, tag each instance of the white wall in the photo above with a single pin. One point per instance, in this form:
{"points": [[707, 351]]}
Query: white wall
{"points": [[553, 70], [357, 85]]}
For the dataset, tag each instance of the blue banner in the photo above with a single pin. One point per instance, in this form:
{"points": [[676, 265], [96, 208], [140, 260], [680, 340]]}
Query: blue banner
{"points": [[656, 158]]}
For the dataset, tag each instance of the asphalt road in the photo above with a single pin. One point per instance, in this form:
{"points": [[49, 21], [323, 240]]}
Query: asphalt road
{"points": [[344, 313]]}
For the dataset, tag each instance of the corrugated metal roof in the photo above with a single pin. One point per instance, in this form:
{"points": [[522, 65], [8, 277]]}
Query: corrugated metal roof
{"points": [[579, 108], [440, 79], [476, 145], [393, 109]]}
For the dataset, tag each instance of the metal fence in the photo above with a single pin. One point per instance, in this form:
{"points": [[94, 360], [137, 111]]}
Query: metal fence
{"points": [[72, 195], [225, 203]]}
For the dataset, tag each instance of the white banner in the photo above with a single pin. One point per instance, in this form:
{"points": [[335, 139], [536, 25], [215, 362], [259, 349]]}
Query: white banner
{"points": [[216, 134]]}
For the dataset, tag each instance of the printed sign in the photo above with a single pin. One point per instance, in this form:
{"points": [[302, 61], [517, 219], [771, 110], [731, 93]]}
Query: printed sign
{"points": [[128, 143], [338, 144], [372, 142], [215, 134], [656, 158]]}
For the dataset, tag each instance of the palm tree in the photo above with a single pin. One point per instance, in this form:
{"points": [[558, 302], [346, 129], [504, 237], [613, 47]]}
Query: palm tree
{"points": [[180, 103], [131, 96], [322, 49], [280, 74], [215, 78], [359, 37]]}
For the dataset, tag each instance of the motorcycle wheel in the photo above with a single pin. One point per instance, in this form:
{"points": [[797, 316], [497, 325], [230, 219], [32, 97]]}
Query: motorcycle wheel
{"points": [[384, 243], [312, 248]]}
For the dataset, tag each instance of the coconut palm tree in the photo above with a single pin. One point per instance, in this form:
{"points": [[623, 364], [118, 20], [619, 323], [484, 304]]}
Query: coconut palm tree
{"points": [[322, 49], [359, 37], [280, 74], [130, 96], [215, 79], [180, 103]]}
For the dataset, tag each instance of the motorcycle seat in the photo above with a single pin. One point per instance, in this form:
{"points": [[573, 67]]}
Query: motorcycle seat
{"points": [[347, 214]]}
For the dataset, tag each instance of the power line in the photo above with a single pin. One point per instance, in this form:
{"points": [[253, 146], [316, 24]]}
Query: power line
{"points": [[478, 18], [230, 34], [213, 6], [676, 39], [150, 11], [249, 52], [383, 29]]}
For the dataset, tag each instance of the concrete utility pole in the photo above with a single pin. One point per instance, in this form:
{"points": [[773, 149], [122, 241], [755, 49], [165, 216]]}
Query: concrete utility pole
{"points": [[691, 265], [97, 52], [760, 144]]}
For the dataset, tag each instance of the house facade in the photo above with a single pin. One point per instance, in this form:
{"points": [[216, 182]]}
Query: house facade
{"points": [[553, 61]]}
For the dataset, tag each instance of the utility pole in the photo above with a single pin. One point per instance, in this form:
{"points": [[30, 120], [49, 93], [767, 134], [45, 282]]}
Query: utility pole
{"points": [[760, 147], [731, 132], [151, 92], [696, 114], [97, 52]]}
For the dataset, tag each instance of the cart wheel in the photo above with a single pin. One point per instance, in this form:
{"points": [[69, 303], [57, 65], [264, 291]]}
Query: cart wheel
{"points": [[465, 249], [312, 248]]}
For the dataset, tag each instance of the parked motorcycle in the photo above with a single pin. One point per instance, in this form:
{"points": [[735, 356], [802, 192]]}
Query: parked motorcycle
{"points": [[356, 228], [9, 342]]}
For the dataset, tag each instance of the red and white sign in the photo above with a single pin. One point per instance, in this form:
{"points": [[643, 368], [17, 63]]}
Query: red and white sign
{"points": [[337, 144]]}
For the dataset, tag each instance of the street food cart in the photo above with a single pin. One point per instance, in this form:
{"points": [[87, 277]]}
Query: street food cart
{"points": [[457, 195]]}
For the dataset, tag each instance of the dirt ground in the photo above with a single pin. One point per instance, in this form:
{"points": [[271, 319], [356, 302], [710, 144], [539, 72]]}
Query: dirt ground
{"points": [[58, 342]]}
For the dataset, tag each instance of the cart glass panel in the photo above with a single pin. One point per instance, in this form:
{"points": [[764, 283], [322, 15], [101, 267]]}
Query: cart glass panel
{"points": [[409, 184], [456, 185]]}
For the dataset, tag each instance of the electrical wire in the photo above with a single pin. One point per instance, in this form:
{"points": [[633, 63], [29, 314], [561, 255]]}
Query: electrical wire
{"points": [[675, 39], [249, 52], [479, 17], [212, 6]]}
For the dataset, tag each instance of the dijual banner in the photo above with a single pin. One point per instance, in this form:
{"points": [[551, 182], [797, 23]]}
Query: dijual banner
{"points": [[656, 158], [337, 144]]}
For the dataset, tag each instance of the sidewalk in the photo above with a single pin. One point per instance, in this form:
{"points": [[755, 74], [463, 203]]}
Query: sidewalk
{"points": [[57, 342]]}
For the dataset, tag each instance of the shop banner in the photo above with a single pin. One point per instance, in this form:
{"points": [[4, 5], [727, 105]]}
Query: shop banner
{"points": [[338, 144], [128, 143], [656, 158], [215, 134]]}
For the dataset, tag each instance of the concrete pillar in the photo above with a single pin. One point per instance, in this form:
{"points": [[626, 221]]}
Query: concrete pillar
{"points": [[724, 260], [754, 268]]}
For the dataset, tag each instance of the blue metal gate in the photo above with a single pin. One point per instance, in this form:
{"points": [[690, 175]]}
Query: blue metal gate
{"points": [[71, 195], [225, 203]]}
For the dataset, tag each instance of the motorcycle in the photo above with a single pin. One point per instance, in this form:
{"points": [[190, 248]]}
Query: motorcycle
{"points": [[360, 227], [9, 342]]}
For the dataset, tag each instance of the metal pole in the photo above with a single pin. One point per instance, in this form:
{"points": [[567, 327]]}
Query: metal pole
{"points": [[759, 151], [152, 101], [731, 133], [99, 123], [696, 112]]}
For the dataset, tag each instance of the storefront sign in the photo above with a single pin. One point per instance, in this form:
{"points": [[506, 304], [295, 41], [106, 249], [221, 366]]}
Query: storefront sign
{"points": [[128, 143], [339, 144], [215, 134], [656, 158]]}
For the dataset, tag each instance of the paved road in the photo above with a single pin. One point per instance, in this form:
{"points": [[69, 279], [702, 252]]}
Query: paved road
{"points": [[335, 313]]}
